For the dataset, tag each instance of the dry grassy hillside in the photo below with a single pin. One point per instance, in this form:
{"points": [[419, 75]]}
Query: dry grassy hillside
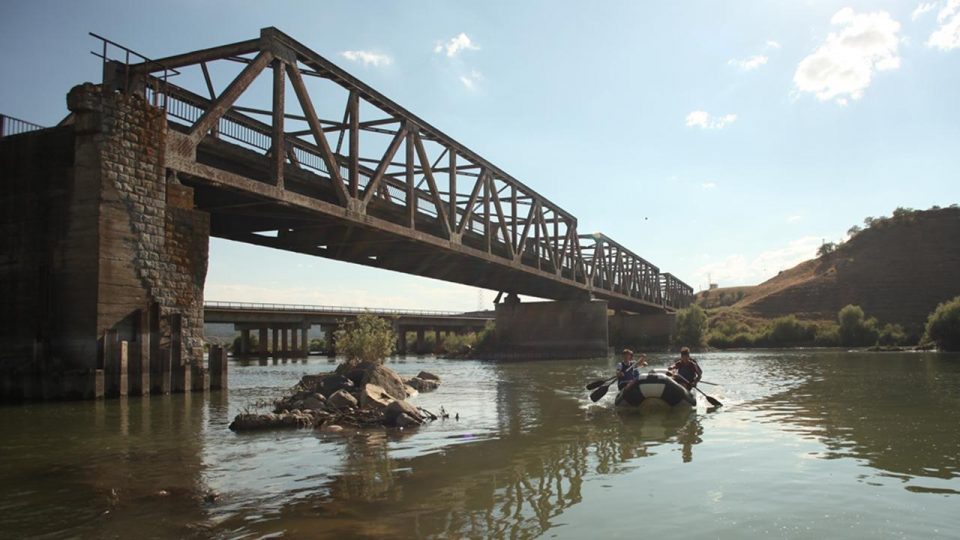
{"points": [[897, 270]]}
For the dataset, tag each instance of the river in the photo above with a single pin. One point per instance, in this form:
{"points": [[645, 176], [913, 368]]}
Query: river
{"points": [[808, 444]]}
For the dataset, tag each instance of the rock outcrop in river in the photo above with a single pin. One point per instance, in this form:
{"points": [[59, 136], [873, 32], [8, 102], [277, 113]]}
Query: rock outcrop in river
{"points": [[365, 394]]}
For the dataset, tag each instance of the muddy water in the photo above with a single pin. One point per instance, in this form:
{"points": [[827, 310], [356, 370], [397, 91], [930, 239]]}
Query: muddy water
{"points": [[809, 444]]}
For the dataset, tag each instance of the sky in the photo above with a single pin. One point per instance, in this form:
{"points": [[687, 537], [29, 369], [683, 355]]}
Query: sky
{"points": [[721, 141]]}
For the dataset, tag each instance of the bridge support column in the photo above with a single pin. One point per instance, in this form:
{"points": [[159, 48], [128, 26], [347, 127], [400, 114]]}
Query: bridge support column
{"points": [[275, 343], [401, 340], [218, 368], [284, 341], [421, 340], [262, 348], [641, 330], [293, 341], [542, 330], [244, 342], [304, 342], [330, 333]]}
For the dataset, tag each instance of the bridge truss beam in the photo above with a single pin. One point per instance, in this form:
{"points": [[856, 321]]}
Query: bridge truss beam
{"points": [[338, 170]]}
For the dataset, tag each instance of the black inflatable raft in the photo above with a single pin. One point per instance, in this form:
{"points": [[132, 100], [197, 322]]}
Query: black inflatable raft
{"points": [[655, 389]]}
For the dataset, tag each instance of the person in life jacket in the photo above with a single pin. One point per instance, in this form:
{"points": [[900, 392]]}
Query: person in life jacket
{"points": [[686, 370], [626, 370]]}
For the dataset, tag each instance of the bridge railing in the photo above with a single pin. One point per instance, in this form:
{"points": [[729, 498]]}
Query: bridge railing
{"points": [[378, 160], [15, 126], [257, 306]]}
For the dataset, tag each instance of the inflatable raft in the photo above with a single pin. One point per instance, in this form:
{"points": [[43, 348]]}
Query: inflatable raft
{"points": [[655, 389]]}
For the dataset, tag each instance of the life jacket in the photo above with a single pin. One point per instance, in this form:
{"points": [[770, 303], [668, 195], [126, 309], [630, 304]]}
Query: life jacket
{"points": [[626, 371], [689, 371]]}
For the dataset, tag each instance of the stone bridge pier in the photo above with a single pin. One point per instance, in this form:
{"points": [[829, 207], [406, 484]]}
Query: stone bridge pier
{"points": [[103, 259]]}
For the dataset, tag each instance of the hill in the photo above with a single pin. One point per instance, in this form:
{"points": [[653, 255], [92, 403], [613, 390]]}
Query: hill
{"points": [[897, 269]]}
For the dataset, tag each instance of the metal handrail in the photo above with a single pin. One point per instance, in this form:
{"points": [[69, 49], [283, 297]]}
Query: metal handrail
{"points": [[15, 126], [216, 304]]}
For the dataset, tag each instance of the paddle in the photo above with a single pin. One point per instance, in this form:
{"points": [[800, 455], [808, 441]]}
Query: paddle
{"points": [[600, 382], [597, 394], [713, 401]]}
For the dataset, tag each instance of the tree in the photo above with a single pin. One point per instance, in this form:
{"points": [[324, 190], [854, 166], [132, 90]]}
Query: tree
{"points": [[892, 334], [367, 339], [826, 249], [854, 329], [252, 343], [902, 212], [691, 325], [943, 326], [853, 231]]}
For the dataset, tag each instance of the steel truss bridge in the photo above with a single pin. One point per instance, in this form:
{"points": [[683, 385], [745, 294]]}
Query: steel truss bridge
{"points": [[335, 169]]}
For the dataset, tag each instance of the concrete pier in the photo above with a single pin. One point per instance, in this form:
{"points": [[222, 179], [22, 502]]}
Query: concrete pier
{"points": [[544, 330], [639, 330]]}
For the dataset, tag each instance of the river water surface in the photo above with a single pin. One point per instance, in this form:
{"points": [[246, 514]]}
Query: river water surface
{"points": [[808, 444]]}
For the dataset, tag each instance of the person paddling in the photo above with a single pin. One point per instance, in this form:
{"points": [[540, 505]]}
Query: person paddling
{"points": [[686, 370], [626, 370]]}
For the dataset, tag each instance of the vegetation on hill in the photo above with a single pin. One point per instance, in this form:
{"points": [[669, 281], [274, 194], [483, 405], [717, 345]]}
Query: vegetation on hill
{"points": [[851, 329], [691, 327], [897, 269], [943, 326]]}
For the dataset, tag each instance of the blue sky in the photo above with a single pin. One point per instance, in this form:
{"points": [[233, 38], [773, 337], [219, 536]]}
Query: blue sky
{"points": [[720, 138]]}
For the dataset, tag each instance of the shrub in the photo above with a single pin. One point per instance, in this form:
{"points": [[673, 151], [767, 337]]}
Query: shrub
{"points": [[854, 330], [827, 336], [691, 325], [486, 338], [892, 334], [789, 331], [252, 343], [826, 248], [367, 339], [458, 343], [943, 326], [719, 340]]}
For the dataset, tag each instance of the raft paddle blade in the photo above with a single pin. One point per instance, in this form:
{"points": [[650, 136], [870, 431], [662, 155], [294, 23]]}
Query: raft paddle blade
{"points": [[597, 394], [596, 384]]}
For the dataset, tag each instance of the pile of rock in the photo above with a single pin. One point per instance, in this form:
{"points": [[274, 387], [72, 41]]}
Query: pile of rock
{"points": [[367, 394]]}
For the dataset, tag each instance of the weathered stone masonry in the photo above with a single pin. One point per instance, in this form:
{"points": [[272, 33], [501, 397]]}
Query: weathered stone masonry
{"points": [[124, 252]]}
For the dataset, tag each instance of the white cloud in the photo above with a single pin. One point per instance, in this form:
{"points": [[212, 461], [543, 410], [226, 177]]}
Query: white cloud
{"points": [[471, 80], [704, 120], [741, 270], [947, 37], [368, 58], [794, 218], [709, 185], [922, 7], [771, 44], [843, 67], [456, 44], [749, 64]]}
